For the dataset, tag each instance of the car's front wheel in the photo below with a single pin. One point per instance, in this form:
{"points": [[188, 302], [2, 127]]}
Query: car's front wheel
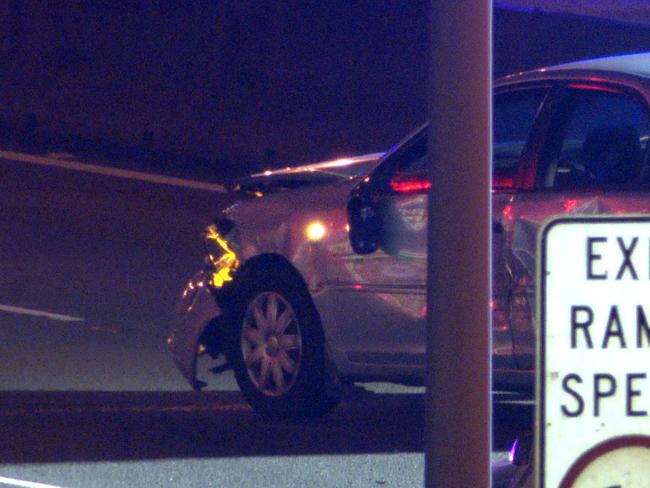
{"points": [[277, 348]]}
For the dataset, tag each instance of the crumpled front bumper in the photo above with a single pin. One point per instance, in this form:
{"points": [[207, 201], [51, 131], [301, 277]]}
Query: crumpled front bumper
{"points": [[195, 310]]}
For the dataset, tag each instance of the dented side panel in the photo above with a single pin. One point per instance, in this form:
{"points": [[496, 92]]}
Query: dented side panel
{"points": [[293, 224], [528, 214], [271, 225]]}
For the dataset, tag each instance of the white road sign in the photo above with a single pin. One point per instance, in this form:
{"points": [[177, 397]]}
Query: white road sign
{"points": [[593, 357]]}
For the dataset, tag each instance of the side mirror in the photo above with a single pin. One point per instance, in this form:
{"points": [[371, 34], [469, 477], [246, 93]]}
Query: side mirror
{"points": [[364, 226]]}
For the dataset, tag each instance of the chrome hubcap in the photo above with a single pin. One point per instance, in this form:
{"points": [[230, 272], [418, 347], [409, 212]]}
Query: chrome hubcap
{"points": [[273, 346], [271, 343]]}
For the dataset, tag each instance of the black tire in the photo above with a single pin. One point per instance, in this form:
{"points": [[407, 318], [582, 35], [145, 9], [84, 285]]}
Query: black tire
{"points": [[274, 329]]}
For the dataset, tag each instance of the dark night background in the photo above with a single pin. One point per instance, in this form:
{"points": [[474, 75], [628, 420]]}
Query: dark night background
{"points": [[232, 82], [203, 89]]}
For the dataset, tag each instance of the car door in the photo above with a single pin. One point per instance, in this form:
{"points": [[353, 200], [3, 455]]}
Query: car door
{"points": [[592, 159], [381, 296], [395, 272], [519, 116]]}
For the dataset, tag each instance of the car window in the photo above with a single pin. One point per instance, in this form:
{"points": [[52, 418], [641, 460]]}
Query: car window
{"points": [[600, 143], [513, 117], [413, 160], [405, 170]]}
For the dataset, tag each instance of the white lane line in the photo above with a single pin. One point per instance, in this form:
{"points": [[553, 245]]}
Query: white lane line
{"points": [[190, 408], [106, 171], [25, 484], [40, 313]]}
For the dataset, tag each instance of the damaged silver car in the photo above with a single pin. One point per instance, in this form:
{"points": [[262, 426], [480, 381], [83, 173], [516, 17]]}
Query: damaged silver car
{"points": [[315, 286], [253, 300]]}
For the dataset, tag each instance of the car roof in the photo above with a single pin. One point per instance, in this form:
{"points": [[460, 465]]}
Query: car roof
{"points": [[633, 64], [630, 67]]}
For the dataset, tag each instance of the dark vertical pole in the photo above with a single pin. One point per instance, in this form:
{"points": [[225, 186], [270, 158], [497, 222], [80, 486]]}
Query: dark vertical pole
{"points": [[458, 379]]}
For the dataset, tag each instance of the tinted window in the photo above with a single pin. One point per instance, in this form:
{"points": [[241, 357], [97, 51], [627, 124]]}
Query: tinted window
{"points": [[407, 164], [413, 160], [599, 143], [513, 117]]}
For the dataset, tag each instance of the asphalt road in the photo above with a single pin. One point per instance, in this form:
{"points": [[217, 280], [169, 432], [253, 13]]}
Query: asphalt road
{"points": [[89, 396]]}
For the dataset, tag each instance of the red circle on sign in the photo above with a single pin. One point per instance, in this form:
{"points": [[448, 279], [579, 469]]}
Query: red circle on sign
{"points": [[599, 450]]}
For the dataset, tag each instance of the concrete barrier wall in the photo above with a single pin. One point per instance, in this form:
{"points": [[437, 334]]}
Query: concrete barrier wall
{"points": [[240, 80]]}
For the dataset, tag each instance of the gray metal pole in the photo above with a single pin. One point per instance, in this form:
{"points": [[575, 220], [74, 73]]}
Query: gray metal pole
{"points": [[458, 409]]}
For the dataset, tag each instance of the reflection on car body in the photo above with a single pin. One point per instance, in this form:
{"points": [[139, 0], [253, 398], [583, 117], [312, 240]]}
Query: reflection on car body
{"points": [[259, 184], [350, 302]]}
